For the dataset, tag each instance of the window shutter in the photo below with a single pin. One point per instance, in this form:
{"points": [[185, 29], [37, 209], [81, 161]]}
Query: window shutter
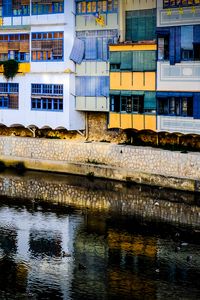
{"points": [[90, 49], [196, 33], [172, 46], [115, 57], [150, 100], [138, 61], [77, 52], [178, 44], [196, 106], [126, 60], [149, 60]]}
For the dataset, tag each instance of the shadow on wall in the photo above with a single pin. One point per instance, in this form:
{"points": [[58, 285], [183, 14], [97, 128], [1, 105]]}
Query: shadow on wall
{"points": [[165, 140]]}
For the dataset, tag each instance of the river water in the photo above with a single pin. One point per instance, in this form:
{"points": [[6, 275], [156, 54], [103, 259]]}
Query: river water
{"points": [[68, 237]]}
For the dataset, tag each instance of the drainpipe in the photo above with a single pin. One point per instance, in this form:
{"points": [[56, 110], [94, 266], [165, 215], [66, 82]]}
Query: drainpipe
{"points": [[86, 126]]}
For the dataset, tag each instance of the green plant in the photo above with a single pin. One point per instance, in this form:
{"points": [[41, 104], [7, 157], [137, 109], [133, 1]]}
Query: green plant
{"points": [[10, 68]]}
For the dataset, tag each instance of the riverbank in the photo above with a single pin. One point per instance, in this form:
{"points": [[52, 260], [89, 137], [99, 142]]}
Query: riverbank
{"points": [[146, 165]]}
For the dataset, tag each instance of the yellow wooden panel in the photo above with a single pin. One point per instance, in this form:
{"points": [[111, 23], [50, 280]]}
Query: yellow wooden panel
{"points": [[138, 122], [150, 122], [133, 47], [126, 81], [24, 67], [126, 121], [136, 81], [1, 69], [150, 81], [114, 120], [115, 81]]}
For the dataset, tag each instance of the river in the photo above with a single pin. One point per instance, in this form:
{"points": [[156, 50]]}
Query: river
{"points": [[70, 237]]}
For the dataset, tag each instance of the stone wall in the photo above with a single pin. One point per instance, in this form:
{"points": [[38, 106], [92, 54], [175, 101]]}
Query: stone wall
{"points": [[99, 195], [139, 164]]}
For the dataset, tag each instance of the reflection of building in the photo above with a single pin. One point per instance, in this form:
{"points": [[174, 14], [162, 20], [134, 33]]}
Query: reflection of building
{"points": [[114, 260], [31, 245]]}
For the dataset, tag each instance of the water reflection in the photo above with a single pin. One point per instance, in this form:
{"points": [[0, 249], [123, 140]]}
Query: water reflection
{"points": [[107, 254]]}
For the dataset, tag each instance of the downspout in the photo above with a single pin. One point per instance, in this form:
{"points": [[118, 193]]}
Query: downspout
{"points": [[86, 126]]}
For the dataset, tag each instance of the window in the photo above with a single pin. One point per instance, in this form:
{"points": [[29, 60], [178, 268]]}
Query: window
{"points": [[176, 106], [187, 42], [9, 95], [115, 103], [16, 8], [127, 103], [163, 48], [140, 25], [47, 46], [136, 61], [14, 46], [47, 97], [50, 7], [96, 6]]}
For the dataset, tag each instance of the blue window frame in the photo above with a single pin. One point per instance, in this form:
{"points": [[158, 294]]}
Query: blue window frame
{"points": [[14, 46], [9, 88], [179, 3], [16, 8], [3, 102], [39, 8], [96, 6], [177, 105], [9, 95], [47, 46], [47, 97]]}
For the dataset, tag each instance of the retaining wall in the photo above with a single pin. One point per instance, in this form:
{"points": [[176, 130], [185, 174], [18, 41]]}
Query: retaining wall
{"points": [[120, 162]]}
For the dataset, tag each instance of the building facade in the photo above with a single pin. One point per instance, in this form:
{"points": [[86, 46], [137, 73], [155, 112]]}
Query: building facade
{"points": [[178, 66], [39, 35], [137, 63], [133, 68]]}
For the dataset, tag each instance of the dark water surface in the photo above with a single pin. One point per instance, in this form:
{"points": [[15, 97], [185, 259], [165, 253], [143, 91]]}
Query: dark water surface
{"points": [[107, 254]]}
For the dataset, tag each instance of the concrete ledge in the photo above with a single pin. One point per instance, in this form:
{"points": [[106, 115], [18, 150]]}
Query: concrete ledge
{"points": [[107, 172]]}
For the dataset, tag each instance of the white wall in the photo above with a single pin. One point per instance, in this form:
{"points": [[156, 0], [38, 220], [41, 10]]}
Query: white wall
{"points": [[68, 118], [175, 18], [183, 76]]}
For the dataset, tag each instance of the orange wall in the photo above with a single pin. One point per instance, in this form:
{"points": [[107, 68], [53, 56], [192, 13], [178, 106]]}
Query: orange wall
{"points": [[136, 121], [138, 81]]}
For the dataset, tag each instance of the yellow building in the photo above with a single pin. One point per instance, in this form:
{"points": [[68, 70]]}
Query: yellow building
{"points": [[133, 85]]}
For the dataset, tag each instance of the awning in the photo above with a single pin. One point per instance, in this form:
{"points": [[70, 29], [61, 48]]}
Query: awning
{"points": [[173, 94]]}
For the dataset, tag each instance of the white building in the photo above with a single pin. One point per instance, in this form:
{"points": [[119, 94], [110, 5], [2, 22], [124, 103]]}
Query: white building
{"points": [[40, 35]]}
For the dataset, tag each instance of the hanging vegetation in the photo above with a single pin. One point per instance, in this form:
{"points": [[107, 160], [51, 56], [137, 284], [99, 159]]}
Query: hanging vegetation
{"points": [[10, 68]]}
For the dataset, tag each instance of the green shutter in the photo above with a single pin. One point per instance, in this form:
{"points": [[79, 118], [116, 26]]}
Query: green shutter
{"points": [[149, 60], [115, 57], [126, 60], [138, 61], [150, 100], [114, 92], [126, 93], [137, 93], [140, 25]]}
